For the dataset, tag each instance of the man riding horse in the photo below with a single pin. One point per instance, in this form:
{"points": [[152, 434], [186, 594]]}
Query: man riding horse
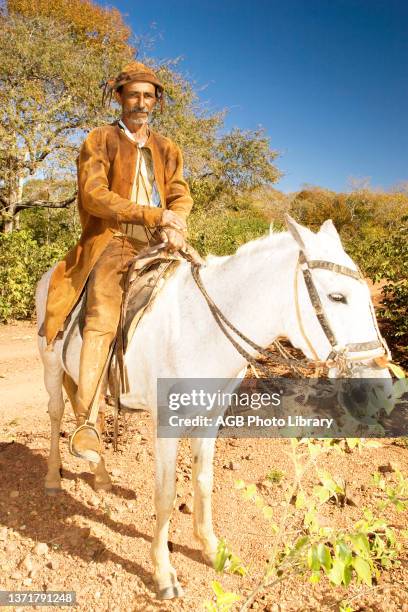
{"points": [[131, 193]]}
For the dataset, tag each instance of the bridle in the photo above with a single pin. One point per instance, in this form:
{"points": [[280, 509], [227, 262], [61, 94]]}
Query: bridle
{"points": [[340, 357]]}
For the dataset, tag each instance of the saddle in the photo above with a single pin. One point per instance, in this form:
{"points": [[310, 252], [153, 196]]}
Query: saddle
{"points": [[146, 275], [145, 278]]}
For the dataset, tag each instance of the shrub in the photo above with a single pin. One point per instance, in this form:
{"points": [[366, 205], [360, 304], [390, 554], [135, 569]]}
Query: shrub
{"points": [[386, 258], [301, 546], [223, 232], [22, 263]]}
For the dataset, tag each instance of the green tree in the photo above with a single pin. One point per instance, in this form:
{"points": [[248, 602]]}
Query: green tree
{"points": [[220, 168], [50, 90], [54, 58]]}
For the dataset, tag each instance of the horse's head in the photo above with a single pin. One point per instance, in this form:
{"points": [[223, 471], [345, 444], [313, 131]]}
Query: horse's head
{"points": [[335, 320]]}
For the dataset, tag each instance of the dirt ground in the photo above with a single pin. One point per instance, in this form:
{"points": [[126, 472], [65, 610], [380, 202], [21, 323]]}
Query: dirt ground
{"points": [[98, 544]]}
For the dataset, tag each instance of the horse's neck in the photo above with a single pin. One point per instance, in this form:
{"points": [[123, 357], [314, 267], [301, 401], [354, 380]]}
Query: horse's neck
{"points": [[254, 287]]}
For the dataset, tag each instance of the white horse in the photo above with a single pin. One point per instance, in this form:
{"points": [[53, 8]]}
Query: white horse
{"points": [[262, 291]]}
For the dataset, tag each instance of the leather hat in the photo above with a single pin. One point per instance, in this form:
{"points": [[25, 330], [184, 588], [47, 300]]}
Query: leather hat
{"points": [[134, 71]]}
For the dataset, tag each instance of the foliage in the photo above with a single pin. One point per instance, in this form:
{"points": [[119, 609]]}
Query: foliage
{"points": [[50, 87], [386, 259], [396, 494], [93, 25], [52, 227], [184, 119], [275, 476], [244, 160], [22, 263], [219, 167], [224, 599], [359, 214], [359, 443], [303, 547], [224, 231], [49, 225], [393, 252], [225, 557], [329, 488], [313, 206]]}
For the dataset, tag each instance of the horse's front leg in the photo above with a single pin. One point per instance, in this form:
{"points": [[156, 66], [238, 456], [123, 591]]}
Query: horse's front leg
{"points": [[165, 576], [203, 455], [53, 383]]}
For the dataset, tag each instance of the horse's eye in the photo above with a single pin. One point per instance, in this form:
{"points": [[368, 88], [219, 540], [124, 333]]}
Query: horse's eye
{"points": [[338, 297]]}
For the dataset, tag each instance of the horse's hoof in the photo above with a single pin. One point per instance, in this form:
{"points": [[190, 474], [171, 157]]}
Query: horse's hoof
{"points": [[103, 486], [170, 592], [52, 490]]}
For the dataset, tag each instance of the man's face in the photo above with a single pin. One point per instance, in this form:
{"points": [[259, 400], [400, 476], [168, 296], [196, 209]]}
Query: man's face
{"points": [[138, 101]]}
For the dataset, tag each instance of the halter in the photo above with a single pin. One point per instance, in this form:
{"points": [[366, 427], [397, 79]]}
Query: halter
{"points": [[340, 357]]}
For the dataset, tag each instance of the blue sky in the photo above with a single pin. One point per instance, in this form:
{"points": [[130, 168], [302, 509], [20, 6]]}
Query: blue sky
{"points": [[327, 79]]}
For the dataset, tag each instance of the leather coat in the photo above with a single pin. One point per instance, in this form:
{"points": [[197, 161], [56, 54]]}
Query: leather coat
{"points": [[106, 168]]}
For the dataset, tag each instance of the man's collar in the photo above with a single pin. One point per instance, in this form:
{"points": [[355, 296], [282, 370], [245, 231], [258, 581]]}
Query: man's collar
{"points": [[129, 134]]}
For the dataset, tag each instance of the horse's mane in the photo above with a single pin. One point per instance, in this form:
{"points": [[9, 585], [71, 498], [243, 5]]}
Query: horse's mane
{"points": [[257, 245]]}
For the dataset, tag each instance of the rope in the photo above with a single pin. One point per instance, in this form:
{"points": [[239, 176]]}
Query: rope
{"points": [[222, 322]]}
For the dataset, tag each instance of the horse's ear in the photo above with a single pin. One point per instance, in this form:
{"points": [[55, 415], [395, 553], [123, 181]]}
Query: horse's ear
{"points": [[297, 230], [329, 228], [271, 228]]}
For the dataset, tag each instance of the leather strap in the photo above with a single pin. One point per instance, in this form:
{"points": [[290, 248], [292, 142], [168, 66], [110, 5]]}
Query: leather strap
{"points": [[223, 323], [333, 267]]}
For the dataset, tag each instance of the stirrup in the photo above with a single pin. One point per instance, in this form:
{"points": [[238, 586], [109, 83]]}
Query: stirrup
{"points": [[87, 454]]}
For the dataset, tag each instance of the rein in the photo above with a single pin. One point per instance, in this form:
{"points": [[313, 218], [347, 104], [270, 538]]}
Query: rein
{"points": [[339, 356], [224, 324]]}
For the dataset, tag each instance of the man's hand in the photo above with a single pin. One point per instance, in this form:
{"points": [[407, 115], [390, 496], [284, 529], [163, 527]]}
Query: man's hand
{"points": [[172, 220], [175, 239]]}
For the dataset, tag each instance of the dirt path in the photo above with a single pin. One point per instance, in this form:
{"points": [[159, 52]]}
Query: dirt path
{"points": [[98, 545]]}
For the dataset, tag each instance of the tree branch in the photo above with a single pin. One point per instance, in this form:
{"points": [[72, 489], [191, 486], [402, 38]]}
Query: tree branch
{"points": [[45, 204]]}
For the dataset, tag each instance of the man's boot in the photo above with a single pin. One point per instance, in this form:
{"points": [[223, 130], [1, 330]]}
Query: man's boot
{"points": [[85, 441]]}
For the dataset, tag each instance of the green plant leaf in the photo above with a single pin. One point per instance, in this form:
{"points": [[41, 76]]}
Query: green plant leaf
{"points": [[363, 570], [347, 575], [300, 500], [228, 599], [267, 511], [322, 493], [221, 556], [302, 541], [313, 558], [217, 588], [360, 544], [249, 492], [324, 556], [314, 577], [337, 572], [343, 552], [399, 388]]}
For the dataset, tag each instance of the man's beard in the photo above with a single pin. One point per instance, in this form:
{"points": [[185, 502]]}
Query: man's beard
{"points": [[131, 115]]}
